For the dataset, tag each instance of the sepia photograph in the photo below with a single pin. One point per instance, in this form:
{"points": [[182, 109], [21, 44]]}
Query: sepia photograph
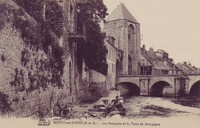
{"points": [[100, 63]]}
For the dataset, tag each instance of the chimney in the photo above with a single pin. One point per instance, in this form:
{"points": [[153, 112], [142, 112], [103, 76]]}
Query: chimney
{"points": [[143, 47]]}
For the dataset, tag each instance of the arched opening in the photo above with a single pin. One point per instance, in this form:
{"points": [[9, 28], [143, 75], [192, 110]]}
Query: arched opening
{"points": [[160, 89], [131, 32], [131, 38], [128, 89], [129, 65], [195, 89]]}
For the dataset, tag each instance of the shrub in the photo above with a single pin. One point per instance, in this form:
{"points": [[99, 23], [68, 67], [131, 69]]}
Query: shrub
{"points": [[4, 103], [94, 92]]}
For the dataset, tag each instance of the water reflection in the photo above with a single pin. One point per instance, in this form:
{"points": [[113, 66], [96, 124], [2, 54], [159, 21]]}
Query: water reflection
{"points": [[142, 107], [187, 101]]}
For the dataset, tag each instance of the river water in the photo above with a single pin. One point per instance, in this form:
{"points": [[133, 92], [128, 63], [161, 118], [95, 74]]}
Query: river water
{"points": [[147, 107]]}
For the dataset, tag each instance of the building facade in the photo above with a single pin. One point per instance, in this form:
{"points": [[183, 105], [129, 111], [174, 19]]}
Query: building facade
{"points": [[73, 34], [157, 63], [121, 25], [140, 71], [111, 61]]}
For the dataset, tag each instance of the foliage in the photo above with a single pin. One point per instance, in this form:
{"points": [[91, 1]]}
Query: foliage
{"points": [[57, 53], [92, 13], [4, 103], [25, 57], [97, 91], [53, 13], [18, 82], [54, 17], [41, 35], [31, 33], [33, 7], [93, 92], [38, 35], [2, 15]]}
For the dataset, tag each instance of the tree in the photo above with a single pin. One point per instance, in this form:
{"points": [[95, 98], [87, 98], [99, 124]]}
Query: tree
{"points": [[4, 103], [94, 51], [33, 7], [54, 17], [53, 13]]}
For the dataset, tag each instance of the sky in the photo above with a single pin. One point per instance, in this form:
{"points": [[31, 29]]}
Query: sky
{"points": [[171, 25]]}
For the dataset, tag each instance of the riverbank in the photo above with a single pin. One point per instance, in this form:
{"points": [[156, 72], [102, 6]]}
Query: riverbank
{"points": [[140, 107], [141, 112], [155, 122]]}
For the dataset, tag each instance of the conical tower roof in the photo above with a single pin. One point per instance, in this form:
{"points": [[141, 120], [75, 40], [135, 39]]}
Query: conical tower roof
{"points": [[121, 13]]}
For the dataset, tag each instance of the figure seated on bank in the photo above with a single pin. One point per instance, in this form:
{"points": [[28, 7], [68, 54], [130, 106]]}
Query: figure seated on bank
{"points": [[116, 107]]}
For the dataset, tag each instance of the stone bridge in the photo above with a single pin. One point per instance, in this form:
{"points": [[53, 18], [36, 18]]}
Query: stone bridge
{"points": [[163, 85]]}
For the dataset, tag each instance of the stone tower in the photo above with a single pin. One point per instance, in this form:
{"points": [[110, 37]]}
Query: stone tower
{"points": [[121, 25]]}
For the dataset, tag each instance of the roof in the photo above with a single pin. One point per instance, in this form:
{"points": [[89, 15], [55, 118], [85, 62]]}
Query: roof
{"points": [[186, 68], [150, 56], [161, 51], [121, 13], [156, 61]]}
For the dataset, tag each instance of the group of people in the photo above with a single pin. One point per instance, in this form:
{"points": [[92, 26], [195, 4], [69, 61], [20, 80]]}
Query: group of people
{"points": [[116, 107]]}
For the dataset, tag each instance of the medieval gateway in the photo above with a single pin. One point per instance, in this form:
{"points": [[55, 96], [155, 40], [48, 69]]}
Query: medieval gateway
{"points": [[137, 71]]}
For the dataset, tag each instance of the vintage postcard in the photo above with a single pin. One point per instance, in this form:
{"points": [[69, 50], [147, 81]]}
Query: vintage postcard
{"points": [[100, 63]]}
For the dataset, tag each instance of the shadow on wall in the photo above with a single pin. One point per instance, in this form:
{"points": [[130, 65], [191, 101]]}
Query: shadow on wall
{"points": [[195, 90], [160, 89], [4, 103], [128, 90], [93, 91]]}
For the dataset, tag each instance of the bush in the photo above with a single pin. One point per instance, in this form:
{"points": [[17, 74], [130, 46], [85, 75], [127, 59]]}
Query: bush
{"points": [[94, 92], [4, 103]]}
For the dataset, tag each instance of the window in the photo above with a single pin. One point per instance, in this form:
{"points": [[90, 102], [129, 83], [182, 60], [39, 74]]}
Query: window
{"points": [[71, 8], [113, 68], [70, 77], [129, 65]]}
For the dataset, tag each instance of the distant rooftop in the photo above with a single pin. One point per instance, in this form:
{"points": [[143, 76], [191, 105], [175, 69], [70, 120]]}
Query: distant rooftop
{"points": [[121, 13]]}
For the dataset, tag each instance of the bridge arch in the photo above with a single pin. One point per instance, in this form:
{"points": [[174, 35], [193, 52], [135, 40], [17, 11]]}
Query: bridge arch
{"points": [[128, 89], [195, 89], [192, 80], [161, 88]]}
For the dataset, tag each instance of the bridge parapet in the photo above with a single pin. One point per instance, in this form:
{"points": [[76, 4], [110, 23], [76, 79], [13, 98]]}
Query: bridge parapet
{"points": [[166, 75], [194, 74], [134, 80]]}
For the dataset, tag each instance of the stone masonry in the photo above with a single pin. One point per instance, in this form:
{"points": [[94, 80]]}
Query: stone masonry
{"points": [[126, 30]]}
